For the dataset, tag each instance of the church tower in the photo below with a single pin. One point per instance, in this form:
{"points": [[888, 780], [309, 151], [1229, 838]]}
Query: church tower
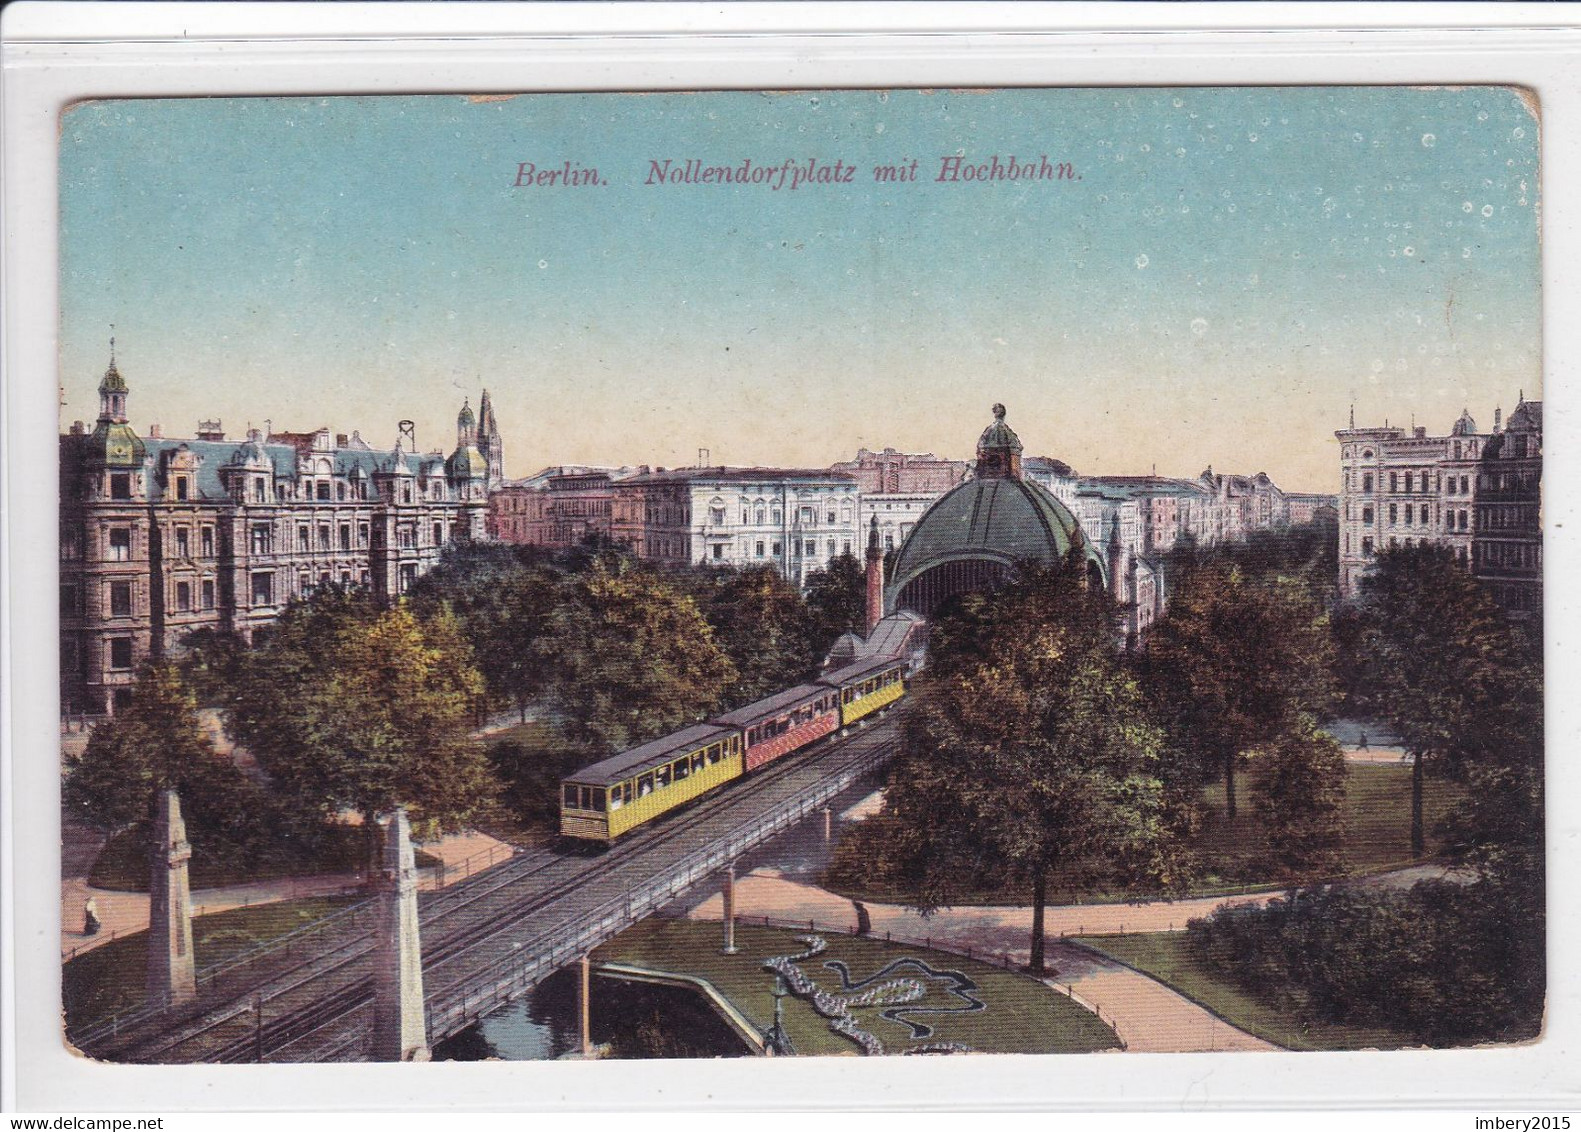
{"points": [[999, 450], [489, 442]]}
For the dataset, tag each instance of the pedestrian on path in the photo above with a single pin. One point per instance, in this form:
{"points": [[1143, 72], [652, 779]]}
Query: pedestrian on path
{"points": [[90, 917]]}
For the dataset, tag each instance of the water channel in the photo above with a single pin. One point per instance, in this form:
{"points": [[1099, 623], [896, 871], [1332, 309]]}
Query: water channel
{"points": [[642, 1020]]}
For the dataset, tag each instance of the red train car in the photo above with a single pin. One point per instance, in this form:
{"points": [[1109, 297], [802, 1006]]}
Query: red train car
{"points": [[784, 722]]}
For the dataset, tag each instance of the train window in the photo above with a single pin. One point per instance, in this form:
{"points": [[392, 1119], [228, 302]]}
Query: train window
{"points": [[661, 777], [683, 769], [598, 799], [587, 798], [618, 794], [625, 793], [752, 738], [644, 785], [699, 761], [570, 796]]}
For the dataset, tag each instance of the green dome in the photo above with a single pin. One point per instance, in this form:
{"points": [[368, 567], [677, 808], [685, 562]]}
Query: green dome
{"points": [[466, 463], [991, 522], [117, 444]]}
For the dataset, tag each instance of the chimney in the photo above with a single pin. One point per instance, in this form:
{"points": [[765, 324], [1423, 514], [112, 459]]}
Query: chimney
{"points": [[875, 578], [78, 428], [154, 432], [1498, 420], [341, 440]]}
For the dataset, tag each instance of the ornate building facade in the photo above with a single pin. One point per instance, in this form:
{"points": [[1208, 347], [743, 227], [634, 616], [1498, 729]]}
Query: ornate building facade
{"points": [[1476, 493], [162, 537]]}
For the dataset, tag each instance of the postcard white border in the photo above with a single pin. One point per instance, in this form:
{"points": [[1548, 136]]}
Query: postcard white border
{"points": [[55, 54]]}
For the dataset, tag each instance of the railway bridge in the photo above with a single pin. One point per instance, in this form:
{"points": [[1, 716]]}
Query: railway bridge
{"points": [[487, 940]]}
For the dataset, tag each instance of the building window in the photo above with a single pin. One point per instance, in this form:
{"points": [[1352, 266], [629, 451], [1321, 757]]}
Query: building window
{"points": [[362, 535], [322, 492], [207, 590], [120, 544], [120, 652], [258, 491], [1393, 514], [206, 540], [760, 548], [778, 549], [1424, 515], [845, 546], [263, 538], [1366, 483], [121, 485], [1366, 516], [719, 552], [408, 576], [831, 548], [1366, 547], [184, 597], [263, 588], [181, 488], [1394, 482], [439, 534], [120, 599], [323, 536]]}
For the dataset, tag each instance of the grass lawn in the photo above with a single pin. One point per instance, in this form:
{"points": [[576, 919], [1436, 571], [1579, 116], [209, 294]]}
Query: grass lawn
{"points": [[1377, 811], [110, 979], [122, 864], [1166, 957], [1022, 1015]]}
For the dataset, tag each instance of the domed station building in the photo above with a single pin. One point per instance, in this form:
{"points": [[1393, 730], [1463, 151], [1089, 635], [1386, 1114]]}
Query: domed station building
{"points": [[972, 537]]}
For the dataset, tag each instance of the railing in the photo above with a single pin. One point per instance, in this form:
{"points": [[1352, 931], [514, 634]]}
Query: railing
{"points": [[505, 979], [434, 879]]}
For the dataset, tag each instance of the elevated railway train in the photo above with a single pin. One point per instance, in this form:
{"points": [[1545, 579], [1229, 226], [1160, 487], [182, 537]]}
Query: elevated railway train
{"points": [[601, 802]]}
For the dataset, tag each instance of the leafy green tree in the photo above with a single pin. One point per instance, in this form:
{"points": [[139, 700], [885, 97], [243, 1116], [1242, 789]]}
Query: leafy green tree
{"points": [[1028, 751], [763, 625], [351, 706], [503, 604], [630, 658], [837, 597], [1234, 663], [1442, 666], [1300, 798], [156, 742], [209, 661]]}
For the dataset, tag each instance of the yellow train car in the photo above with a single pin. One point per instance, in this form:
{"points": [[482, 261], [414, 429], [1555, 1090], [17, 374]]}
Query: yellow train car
{"points": [[603, 801], [867, 686]]}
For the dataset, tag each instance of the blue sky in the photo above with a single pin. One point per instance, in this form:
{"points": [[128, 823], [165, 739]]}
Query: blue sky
{"points": [[1234, 268]]}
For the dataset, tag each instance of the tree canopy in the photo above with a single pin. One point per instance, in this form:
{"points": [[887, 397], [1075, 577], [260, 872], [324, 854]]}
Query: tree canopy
{"points": [[1442, 664], [1234, 662], [156, 742], [630, 658], [1027, 751], [350, 705], [837, 598]]}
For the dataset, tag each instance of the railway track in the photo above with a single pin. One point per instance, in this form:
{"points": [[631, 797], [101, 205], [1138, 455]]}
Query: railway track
{"points": [[302, 1012]]}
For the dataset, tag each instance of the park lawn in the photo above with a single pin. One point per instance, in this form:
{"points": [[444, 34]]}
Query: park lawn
{"points": [[110, 979], [1023, 1015], [1167, 957], [1377, 813], [122, 865]]}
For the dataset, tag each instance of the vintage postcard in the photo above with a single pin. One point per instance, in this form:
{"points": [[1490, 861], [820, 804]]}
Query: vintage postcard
{"points": [[801, 574]]}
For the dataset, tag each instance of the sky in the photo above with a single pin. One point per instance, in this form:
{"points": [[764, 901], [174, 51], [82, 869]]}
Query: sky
{"points": [[1223, 274]]}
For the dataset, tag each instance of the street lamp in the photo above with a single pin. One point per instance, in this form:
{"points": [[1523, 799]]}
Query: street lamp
{"points": [[776, 1041]]}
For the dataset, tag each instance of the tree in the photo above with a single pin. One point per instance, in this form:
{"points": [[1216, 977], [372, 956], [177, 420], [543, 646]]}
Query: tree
{"points": [[1300, 799], [1027, 751], [1442, 664], [351, 706], [1234, 662], [503, 605], [156, 743], [837, 597], [631, 658], [763, 625]]}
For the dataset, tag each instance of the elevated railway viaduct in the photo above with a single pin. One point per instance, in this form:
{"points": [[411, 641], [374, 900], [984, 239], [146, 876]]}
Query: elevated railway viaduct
{"points": [[489, 939]]}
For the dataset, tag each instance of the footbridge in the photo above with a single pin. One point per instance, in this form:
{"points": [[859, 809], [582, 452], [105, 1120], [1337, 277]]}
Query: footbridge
{"points": [[490, 939]]}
